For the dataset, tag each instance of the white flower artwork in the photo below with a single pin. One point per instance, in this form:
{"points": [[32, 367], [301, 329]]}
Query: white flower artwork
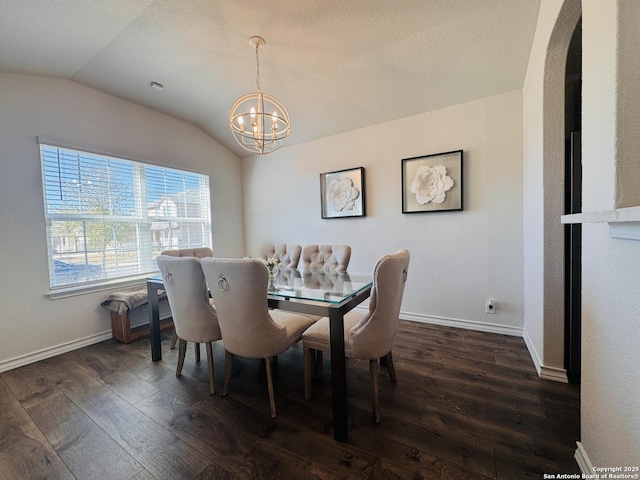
{"points": [[431, 184], [342, 194]]}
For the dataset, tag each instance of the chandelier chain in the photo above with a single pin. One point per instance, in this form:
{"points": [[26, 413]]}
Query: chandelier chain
{"points": [[257, 67]]}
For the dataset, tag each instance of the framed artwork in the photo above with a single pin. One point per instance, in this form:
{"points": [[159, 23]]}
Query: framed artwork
{"points": [[432, 183], [342, 193]]}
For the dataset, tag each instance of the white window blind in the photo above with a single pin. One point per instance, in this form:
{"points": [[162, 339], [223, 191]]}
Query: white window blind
{"points": [[109, 217]]}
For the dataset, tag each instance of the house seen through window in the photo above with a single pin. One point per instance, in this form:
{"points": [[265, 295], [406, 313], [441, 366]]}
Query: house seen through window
{"points": [[109, 217]]}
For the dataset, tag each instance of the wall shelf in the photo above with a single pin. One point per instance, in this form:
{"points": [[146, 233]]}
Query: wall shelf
{"points": [[623, 223]]}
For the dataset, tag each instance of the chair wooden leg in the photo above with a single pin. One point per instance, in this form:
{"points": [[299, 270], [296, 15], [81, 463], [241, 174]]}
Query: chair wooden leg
{"points": [[182, 350], [390, 368], [174, 339], [319, 364], [196, 346], [307, 361], [374, 370], [316, 363], [228, 360], [209, 347], [312, 358], [272, 399]]}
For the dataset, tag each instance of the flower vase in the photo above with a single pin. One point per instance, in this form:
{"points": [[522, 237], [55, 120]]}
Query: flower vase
{"points": [[272, 286]]}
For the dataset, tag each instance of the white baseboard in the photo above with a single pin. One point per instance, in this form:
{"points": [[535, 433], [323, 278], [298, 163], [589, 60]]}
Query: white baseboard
{"points": [[583, 461], [532, 351], [554, 374], [546, 373], [33, 357], [459, 323]]}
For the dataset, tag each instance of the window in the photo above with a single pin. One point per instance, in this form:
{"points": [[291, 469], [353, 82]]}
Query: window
{"points": [[109, 218]]}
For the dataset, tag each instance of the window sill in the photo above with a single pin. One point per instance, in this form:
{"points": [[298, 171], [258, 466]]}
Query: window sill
{"points": [[75, 290], [624, 223]]}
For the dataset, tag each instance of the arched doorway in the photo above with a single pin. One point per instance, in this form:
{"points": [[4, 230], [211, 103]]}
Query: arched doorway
{"points": [[544, 187], [554, 186]]}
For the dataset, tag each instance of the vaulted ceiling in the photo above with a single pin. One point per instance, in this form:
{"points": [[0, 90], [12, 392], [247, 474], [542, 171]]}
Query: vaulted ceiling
{"points": [[337, 65]]}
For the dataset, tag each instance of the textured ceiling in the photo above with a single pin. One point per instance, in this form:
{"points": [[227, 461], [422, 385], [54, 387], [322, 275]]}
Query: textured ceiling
{"points": [[337, 65]]}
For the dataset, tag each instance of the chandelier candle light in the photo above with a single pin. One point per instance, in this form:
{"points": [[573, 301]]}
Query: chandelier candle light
{"points": [[259, 122]]}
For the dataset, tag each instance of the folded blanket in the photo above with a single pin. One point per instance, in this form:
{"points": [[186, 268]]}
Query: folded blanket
{"points": [[125, 300]]}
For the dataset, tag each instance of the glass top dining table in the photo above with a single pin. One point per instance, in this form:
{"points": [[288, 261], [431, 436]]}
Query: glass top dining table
{"points": [[315, 292], [317, 285]]}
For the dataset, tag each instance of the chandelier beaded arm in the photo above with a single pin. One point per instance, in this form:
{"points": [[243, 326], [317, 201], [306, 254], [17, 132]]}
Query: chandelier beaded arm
{"points": [[258, 121]]}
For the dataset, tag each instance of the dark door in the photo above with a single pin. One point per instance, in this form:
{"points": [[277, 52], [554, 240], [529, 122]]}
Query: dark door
{"points": [[573, 263]]}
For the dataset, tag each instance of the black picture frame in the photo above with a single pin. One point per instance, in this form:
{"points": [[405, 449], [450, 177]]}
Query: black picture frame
{"points": [[342, 193], [433, 183]]}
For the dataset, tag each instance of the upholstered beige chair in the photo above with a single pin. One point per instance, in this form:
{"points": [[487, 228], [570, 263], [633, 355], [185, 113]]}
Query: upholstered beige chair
{"points": [[287, 255], [198, 252], [326, 257], [194, 318], [249, 328], [370, 335]]}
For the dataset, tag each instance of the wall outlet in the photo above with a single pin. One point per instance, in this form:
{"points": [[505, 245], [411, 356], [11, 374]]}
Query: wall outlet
{"points": [[489, 306]]}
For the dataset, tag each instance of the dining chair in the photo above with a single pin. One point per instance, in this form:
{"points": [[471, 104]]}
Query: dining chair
{"points": [[370, 335], [326, 257], [198, 252], [249, 328], [195, 319], [287, 255]]}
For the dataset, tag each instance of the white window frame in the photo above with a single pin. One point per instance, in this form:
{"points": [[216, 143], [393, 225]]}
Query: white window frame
{"points": [[142, 218]]}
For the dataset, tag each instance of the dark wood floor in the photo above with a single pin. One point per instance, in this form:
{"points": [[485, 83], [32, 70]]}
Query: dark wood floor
{"points": [[467, 405]]}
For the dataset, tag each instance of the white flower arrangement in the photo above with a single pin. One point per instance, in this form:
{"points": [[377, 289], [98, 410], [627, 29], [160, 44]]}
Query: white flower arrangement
{"points": [[270, 262]]}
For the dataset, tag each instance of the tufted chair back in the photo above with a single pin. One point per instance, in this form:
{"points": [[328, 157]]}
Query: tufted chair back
{"points": [[369, 335], [288, 255], [249, 328], [239, 290], [199, 252], [194, 318], [374, 334], [326, 257]]}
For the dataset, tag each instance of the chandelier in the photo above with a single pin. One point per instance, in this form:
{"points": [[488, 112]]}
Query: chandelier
{"points": [[258, 121]]}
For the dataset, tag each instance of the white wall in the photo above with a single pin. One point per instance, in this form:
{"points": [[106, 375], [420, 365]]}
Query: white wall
{"points": [[610, 415], [32, 325], [458, 259], [610, 384], [628, 173]]}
